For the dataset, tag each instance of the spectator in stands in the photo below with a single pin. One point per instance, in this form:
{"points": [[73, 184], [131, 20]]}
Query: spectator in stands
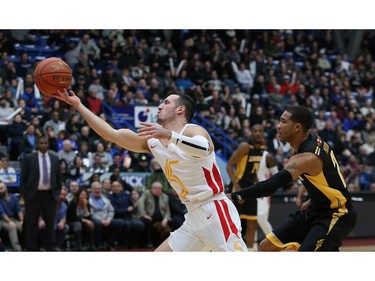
{"points": [[64, 169], [73, 190], [78, 169], [67, 153], [32, 102], [73, 125], [11, 216], [116, 176], [368, 108], [243, 77], [94, 103], [29, 139], [37, 125], [142, 166], [15, 135], [87, 46], [183, 82], [102, 214], [51, 136], [54, 122], [106, 187], [61, 227], [61, 137], [79, 220], [89, 138], [106, 158], [5, 111], [118, 161], [97, 86], [85, 154], [153, 207], [97, 166], [8, 174], [133, 228]]}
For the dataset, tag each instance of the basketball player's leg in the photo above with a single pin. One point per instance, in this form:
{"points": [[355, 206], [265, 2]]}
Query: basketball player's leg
{"points": [[251, 227], [249, 213], [264, 224], [287, 236]]}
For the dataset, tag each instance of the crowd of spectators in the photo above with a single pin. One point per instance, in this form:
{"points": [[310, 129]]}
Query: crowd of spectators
{"points": [[240, 78]]}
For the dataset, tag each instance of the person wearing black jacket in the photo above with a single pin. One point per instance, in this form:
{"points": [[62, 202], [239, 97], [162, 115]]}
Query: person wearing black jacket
{"points": [[40, 185]]}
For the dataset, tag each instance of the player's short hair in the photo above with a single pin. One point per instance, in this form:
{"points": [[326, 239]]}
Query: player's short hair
{"points": [[188, 100], [302, 115]]}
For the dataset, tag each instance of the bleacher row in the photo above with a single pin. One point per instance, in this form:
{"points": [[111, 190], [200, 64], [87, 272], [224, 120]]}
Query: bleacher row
{"points": [[40, 50]]}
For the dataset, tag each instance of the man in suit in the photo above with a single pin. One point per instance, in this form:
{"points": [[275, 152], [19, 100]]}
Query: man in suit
{"points": [[41, 183]]}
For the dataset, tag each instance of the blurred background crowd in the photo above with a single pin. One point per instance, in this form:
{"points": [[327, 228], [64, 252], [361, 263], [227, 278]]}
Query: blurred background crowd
{"points": [[240, 78]]}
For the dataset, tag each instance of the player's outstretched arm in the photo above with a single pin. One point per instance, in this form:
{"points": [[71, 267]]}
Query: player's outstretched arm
{"points": [[298, 164], [123, 137]]}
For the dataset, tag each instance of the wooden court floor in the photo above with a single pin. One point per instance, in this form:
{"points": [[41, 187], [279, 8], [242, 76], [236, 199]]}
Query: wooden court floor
{"points": [[358, 245]]}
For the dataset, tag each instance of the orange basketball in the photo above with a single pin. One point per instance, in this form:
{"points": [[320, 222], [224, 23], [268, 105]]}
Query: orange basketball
{"points": [[52, 74]]}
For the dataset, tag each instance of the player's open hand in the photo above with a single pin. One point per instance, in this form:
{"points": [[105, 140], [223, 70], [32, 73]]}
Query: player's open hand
{"points": [[69, 97], [153, 131]]}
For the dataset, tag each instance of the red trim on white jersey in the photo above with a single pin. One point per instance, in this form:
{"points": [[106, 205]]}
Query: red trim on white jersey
{"points": [[216, 186], [225, 219]]}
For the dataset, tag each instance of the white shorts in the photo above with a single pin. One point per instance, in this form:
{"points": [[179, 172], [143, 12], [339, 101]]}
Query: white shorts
{"points": [[214, 226]]}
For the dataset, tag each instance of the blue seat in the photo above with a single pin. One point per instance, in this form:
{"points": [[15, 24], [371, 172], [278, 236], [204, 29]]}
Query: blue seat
{"points": [[32, 50], [287, 55], [14, 58], [46, 51], [19, 48]]}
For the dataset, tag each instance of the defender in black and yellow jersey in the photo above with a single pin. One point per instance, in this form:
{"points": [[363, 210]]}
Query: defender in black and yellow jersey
{"points": [[243, 167], [328, 216]]}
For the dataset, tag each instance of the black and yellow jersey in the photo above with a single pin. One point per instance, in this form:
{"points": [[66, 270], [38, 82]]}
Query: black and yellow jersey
{"points": [[327, 190], [247, 168]]}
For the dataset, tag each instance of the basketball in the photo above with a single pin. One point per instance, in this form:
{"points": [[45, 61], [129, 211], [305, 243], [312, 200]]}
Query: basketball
{"points": [[52, 74]]}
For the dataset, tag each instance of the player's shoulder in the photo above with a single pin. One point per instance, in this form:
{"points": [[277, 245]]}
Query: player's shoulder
{"points": [[244, 146], [193, 129]]}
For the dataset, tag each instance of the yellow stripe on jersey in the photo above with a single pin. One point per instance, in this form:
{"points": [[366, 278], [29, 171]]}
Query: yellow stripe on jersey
{"points": [[336, 216], [173, 178], [335, 196], [317, 150], [255, 159], [294, 246], [240, 167]]}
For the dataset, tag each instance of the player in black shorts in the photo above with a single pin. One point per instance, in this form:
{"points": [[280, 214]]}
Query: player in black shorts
{"points": [[328, 216], [242, 168]]}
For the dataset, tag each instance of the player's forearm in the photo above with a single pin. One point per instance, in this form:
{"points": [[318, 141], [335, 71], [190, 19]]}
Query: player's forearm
{"points": [[100, 126], [264, 188]]}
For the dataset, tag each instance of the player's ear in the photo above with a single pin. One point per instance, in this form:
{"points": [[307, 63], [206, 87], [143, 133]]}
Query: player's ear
{"points": [[298, 127], [180, 109]]}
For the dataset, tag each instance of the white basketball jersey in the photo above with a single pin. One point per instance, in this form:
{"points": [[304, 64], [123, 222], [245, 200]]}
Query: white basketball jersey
{"points": [[196, 180]]}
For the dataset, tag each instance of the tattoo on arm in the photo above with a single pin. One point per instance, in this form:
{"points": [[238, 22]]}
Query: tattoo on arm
{"points": [[291, 166]]}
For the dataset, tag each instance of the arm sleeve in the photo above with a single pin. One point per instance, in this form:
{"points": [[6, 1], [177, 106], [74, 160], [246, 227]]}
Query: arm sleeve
{"points": [[264, 188], [197, 146]]}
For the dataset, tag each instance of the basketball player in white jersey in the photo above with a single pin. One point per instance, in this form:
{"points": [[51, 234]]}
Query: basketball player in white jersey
{"points": [[186, 154]]}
